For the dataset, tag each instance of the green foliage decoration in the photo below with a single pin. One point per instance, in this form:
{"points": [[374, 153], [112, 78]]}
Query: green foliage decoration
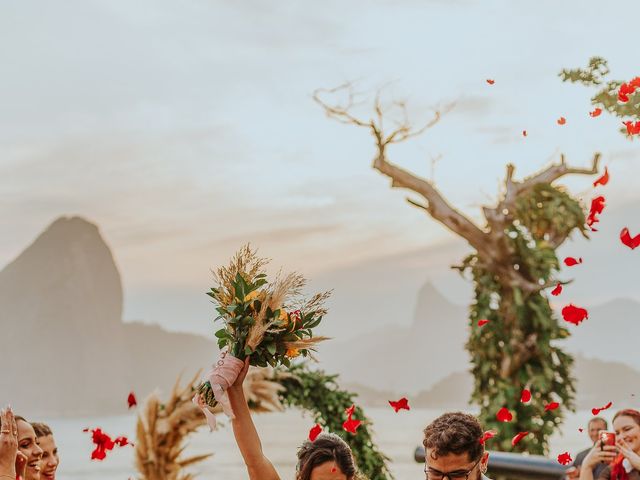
{"points": [[522, 330], [606, 97], [319, 393]]}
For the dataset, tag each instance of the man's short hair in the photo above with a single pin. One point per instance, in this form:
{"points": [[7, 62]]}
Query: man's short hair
{"points": [[41, 429], [454, 432], [598, 419]]}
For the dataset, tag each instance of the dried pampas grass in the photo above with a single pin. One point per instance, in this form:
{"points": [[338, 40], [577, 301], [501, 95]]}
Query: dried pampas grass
{"points": [[162, 429]]}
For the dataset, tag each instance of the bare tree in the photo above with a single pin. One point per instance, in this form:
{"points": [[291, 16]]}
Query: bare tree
{"points": [[514, 261]]}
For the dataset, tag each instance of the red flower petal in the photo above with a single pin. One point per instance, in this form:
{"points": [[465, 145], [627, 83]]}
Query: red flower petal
{"points": [[596, 411], [632, 128], [490, 81], [597, 206], [561, 121], [131, 400], [402, 404], [570, 261], [581, 430], [573, 314], [518, 437], [551, 406], [525, 396], [603, 180], [564, 458], [314, 432], [103, 443], [482, 322], [628, 240], [487, 435], [351, 425], [524, 133], [350, 411], [596, 112], [504, 415], [557, 291]]}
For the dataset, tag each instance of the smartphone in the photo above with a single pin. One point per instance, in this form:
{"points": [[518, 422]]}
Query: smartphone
{"points": [[607, 438]]}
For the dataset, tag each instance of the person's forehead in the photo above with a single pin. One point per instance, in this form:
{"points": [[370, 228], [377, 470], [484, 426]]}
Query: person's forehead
{"points": [[327, 471], [599, 424], [623, 420], [448, 462], [25, 429], [47, 441]]}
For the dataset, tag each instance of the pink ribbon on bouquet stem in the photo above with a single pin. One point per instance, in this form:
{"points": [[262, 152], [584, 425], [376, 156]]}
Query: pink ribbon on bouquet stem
{"points": [[221, 377]]}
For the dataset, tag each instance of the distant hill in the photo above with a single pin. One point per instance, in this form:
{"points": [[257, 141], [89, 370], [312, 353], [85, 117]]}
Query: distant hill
{"points": [[405, 358], [411, 359], [65, 347], [598, 383]]}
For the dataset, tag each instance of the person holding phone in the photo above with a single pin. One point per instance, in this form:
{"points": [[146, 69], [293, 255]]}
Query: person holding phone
{"points": [[595, 425], [623, 457]]}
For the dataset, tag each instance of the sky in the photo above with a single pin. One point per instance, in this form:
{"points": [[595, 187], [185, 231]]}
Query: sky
{"points": [[185, 129]]}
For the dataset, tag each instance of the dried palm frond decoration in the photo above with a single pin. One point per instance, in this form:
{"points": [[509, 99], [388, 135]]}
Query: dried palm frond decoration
{"points": [[163, 428]]}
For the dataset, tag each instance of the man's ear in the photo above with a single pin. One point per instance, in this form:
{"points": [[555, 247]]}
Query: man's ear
{"points": [[484, 462]]}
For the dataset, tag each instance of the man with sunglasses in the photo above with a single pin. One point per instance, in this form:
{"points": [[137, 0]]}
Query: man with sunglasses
{"points": [[453, 449]]}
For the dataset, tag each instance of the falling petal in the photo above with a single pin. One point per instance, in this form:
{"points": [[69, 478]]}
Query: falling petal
{"points": [[402, 404], [504, 415], [314, 432], [518, 437], [573, 314]]}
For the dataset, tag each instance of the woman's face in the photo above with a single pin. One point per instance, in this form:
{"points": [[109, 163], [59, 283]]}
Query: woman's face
{"points": [[627, 429], [328, 471], [50, 458], [28, 445]]}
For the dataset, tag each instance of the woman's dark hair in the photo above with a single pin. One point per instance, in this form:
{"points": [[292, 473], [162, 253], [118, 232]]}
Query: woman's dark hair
{"points": [[327, 447], [628, 412], [454, 432]]}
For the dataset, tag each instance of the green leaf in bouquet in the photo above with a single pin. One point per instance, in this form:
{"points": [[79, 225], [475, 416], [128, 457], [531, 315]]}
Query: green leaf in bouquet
{"points": [[259, 283], [271, 348], [247, 350], [260, 276], [240, 287], [222, 333], [222, 342], [314, 322]]}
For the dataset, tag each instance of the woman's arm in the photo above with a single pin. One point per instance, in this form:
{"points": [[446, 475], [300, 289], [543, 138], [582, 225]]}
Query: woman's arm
{"points": [[258, 466]]}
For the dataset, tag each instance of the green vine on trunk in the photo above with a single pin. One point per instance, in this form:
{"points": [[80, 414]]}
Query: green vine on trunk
{"points": [[523, 324]]}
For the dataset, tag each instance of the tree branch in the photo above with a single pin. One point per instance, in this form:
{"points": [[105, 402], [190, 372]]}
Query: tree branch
{"points": [[548, 175], [436, 205]]}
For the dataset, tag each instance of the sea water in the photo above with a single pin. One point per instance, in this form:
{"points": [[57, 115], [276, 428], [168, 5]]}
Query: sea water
{"points": [[397, 435]]}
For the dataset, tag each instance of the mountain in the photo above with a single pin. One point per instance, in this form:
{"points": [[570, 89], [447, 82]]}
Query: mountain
{"points": [[405, 358], [65, 347], [410, 359], [598, 382]]}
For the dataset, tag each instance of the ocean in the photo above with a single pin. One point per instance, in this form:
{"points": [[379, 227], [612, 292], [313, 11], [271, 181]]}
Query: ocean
{"points": [[397, 435]]}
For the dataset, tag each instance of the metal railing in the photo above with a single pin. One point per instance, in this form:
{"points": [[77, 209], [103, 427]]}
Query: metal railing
{"points": [[515, 466]]}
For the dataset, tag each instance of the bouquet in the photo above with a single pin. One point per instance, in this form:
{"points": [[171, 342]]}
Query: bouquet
{"points": [[269, 322]]}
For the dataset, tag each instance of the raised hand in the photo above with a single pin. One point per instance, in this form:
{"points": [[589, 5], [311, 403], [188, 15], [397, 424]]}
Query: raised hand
{"points": [[629, 454], [606, 454], [9, 445]]}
